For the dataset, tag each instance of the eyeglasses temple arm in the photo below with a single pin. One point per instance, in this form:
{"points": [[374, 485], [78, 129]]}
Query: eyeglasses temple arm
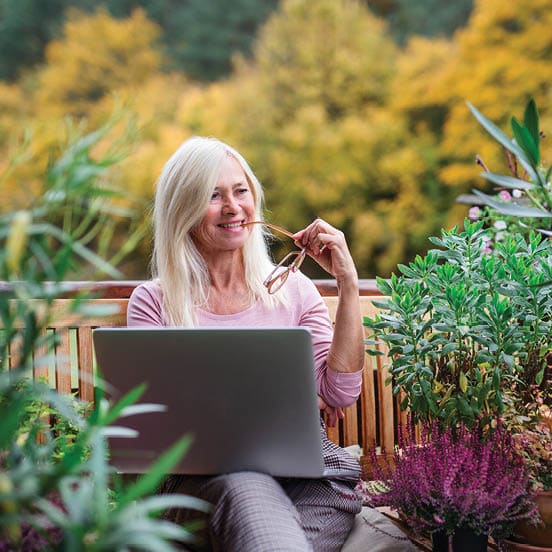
{"points": [[269, 225]]}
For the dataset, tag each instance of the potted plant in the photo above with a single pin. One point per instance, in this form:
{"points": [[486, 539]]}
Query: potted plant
{"points": [[468, 325], [468, 330], [523, 201], [458, 484], [461, 485]]}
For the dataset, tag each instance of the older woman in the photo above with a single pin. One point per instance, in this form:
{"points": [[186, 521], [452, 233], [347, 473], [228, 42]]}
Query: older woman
{"points": [[212, 268]]}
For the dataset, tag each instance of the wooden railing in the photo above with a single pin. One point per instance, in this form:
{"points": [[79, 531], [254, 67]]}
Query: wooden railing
{"points": [[371, 421]]}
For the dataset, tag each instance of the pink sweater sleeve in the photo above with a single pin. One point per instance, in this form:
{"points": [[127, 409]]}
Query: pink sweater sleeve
{"points": [[336, 388]]}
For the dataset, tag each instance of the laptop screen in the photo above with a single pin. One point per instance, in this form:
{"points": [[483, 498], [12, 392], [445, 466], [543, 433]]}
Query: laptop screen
{"points": [[247, 396]]}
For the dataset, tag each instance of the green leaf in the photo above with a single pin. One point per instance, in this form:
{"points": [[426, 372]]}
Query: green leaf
{"points": [[11, 419], [118, 431], [526, 142], [463, 382], [162, 502], [130, 398], [531, 120], [508, 181], [496, 133], [142, 408], [149, 481], [383, 285], [512, 209]]}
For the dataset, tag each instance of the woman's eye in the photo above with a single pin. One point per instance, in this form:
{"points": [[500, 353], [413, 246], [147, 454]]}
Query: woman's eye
{"points": [[214, 196], [242, 191]]}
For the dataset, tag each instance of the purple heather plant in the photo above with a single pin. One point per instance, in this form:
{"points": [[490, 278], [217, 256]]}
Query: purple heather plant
{"points": [[451, 478], [37, 537]]}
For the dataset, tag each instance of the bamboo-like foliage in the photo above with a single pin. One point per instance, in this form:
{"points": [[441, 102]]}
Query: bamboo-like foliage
{"points": [[57, 490]]}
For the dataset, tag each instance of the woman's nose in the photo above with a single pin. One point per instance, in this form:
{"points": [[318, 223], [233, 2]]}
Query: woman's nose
{"points": [[230, 205]]}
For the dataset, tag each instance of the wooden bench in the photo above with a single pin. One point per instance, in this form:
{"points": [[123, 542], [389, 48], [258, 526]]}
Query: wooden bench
{"points": [[372, 421]]}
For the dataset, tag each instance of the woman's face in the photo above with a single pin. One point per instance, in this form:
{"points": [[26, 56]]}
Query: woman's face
{"points": [[231, 205]]}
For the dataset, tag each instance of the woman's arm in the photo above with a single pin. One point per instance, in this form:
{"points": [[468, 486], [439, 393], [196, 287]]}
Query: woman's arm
{"points": [[328, 247]]}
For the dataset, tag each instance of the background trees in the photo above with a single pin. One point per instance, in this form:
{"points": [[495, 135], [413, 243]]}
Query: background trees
{"points": [[341, 114]]}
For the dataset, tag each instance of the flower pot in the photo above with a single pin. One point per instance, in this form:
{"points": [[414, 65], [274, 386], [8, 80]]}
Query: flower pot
{"points": [[512, 546], [541, 534], [463, 540]]}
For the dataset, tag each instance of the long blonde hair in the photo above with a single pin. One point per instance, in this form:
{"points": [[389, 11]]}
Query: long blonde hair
{"points": [[182, 196]]}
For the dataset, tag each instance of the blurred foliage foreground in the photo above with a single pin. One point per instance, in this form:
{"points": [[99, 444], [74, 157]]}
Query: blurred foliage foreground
{"points": [[57, 491]]}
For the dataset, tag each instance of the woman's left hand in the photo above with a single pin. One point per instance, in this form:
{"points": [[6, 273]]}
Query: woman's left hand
{"points": [[333, 413], [328, 247]]}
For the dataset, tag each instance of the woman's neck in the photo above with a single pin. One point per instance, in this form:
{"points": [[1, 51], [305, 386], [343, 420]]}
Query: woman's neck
{"points": [[228, 290]]}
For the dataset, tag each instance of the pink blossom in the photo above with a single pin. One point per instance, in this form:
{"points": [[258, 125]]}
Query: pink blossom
{"points": [[474, 213], [504, 195]]}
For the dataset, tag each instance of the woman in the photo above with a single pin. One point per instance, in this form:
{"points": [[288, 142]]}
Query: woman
{"points": [[212, 268]]}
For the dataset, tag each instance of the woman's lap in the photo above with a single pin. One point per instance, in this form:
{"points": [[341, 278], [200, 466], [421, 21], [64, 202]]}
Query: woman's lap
{"points": [[257, 512]]}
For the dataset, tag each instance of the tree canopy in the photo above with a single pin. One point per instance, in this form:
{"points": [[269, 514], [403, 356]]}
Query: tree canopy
{"points": [[336, 119]]}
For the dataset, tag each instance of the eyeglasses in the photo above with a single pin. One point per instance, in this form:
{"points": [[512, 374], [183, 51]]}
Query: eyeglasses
{"points": [[290, 263]]}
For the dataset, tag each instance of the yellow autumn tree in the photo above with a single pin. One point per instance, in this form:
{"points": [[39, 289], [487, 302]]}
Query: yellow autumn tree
{"points": [[96, 56], [310, 113], [306, 128], [501, 59], [98, 66]]}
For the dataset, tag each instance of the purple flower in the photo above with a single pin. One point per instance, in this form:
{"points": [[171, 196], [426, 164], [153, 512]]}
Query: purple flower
{"points": [[504, 195], [457, 477]]}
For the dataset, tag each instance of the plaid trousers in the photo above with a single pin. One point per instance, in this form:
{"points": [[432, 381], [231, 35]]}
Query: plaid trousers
{"points": [[255, 512]]}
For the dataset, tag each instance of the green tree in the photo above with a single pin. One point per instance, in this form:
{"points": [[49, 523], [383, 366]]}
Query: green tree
{"points": [[198, 37], [202, 37], [26, 26], [423, 17]]}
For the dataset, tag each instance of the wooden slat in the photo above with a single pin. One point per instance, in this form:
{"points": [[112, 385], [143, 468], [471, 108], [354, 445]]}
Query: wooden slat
{"points": [[63, 361], [350, 426], [386, 400], [41, 361], [62, 315], [368, 394], [122, 289], [15, 353], [85, 363], [332, 432], [41, 364], [368, 407]]}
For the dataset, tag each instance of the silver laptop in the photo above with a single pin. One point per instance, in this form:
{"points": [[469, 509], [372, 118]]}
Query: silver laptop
{"points": [[246, 396]]}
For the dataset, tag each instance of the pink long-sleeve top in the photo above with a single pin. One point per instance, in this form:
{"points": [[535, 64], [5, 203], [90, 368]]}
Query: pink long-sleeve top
{"points": [[305, 308]]}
